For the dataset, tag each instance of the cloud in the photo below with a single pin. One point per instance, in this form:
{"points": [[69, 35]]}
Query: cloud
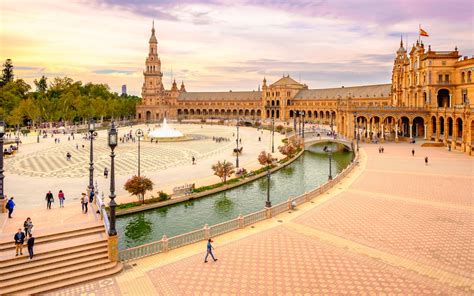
{"points": [[114, 71]]}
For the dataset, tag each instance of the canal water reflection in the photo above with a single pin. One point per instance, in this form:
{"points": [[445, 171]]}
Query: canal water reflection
{"points": [[304, 174]]}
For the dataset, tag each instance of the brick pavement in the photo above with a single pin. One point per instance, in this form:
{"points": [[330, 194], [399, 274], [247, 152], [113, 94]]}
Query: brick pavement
{"points": [[369, 235]]}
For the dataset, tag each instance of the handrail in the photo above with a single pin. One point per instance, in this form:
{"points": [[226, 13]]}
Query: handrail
{"points": [[207, 232]]}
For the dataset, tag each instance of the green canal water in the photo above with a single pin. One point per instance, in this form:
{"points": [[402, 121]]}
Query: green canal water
{"points": [[304, 174]]}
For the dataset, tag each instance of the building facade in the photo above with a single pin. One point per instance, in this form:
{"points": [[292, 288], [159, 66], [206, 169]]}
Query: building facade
{"points": [[431, 97]]}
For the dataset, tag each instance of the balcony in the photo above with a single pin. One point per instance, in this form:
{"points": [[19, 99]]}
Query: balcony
{"points": [[443, 82]]}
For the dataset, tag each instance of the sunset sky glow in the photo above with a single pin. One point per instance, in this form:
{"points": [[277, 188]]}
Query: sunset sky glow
{"points": [[216, 45]]}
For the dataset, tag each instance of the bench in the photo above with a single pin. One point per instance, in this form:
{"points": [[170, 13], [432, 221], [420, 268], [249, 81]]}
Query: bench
{"points": [[183, 190]]}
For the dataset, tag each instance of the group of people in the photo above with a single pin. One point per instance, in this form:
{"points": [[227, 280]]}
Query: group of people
{"points": [[381, 149], [220, 139], [20, 237], [50, 199], [10, 150]]}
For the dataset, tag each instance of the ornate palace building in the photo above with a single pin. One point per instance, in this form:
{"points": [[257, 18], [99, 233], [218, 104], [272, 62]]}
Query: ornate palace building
{"points": [[431, 97]]}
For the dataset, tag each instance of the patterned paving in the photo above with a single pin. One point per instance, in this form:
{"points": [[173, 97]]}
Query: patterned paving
{"points": [[379, 232], [280, 262], [51, 161]]}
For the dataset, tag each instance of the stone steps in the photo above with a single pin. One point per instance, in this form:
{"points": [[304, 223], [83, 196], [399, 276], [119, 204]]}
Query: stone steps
{"points": [[8, 244], [61, 259]]}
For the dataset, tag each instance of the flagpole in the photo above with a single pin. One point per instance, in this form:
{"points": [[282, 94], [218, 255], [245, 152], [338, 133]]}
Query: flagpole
{"points": [[419, 32]]}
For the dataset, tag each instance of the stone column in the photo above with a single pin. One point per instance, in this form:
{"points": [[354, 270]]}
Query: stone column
{"points": [[455, 135], [446, 131], [382, 133], [396, 132], [426, 126], [411, 130], [438, 126], [463, 137], [450, 100]]}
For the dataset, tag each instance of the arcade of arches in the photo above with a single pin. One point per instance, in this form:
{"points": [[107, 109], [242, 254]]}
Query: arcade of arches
{"points": [[430, 97]]}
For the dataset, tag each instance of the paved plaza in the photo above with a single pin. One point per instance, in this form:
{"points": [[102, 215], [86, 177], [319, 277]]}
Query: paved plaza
{"points": [[393, 226], [40, 167]]}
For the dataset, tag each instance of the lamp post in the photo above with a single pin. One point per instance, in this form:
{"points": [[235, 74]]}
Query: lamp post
{"points": [[302, 132], [294, 121], [329, 150], [112, 141], [91, 155], [2, 133], [139, 134], [273, 135], [268, 203], [237, 147]]}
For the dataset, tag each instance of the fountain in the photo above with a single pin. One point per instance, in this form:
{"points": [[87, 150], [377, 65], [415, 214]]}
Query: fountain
{"points": [[166, 133]]}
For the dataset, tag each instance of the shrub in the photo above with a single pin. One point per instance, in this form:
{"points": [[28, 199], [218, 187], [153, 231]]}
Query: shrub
{"points": [[162, 196]]}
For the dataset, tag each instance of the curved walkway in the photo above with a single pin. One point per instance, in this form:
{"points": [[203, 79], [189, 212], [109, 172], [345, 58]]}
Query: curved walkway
{"points": [[394, 225]]}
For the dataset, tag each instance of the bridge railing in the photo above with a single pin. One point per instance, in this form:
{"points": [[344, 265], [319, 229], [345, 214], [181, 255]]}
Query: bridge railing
{"points": [[240, 222]]}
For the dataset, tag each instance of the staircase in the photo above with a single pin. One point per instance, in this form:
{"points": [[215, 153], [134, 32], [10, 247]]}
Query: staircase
{"points": [[62, 258]]}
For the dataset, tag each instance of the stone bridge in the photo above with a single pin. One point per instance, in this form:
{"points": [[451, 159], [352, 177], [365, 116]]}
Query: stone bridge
{"points": [[311, 139]]}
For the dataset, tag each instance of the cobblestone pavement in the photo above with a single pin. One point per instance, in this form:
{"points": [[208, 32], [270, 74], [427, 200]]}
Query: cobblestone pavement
{"points": [[43, 166], [379, 231]]}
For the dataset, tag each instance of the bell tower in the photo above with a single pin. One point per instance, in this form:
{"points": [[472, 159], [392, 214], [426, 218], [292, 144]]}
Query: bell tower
{"points": [[152, 84]]}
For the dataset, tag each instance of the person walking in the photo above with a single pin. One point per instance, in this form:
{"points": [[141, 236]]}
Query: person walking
{"points": [[426, 160], [28, 226], [61, 198], [106, 173], [84, 201], [209, 250], [19, 240], [49, 200], [193, 159], [10, 206], [30, 244], [412, 152]]}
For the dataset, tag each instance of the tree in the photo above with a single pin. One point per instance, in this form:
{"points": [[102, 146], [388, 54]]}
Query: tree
{"points": [[223, 170], [7, 72], [265, 158], [288, 149], [138, 186], [41, 85]]}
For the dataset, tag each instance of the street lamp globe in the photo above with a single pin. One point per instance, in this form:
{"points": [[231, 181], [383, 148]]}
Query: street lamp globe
{"points": [[91, 125], [113, 137]]}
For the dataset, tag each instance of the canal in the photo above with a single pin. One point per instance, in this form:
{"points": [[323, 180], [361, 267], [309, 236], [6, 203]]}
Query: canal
{"points": [[304, 174]]}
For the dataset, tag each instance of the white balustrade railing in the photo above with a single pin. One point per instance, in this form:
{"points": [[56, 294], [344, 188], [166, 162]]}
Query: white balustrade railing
{"points": [[186, 239], [205, 233], [279, 208], [224, 227], [141, 251], [254, 217]]}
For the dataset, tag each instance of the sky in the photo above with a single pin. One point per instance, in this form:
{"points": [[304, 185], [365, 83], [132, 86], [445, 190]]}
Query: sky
{"points": [[218, 45]]}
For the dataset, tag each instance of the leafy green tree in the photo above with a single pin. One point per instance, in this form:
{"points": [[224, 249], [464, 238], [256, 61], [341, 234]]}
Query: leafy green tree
{"points": [[41, 85]]}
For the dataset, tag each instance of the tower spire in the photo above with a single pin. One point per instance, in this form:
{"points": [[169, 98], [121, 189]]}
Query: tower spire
{"points": [[401, 40]]}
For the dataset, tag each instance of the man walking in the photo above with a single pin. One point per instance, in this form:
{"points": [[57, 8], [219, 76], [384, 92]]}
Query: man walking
{"points": [[19, 240], [193, 159], [209, 251], [412, 152], [426, 160], [49, 199], [85, 201], [9, 206], [30, 243]]}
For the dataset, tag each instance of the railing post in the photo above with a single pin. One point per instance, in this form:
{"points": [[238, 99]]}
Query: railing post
{"points": [[268, 212], [306, 196], [207, 232], [241, 221], [289, 203], [164, 241], [112, 248]]}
